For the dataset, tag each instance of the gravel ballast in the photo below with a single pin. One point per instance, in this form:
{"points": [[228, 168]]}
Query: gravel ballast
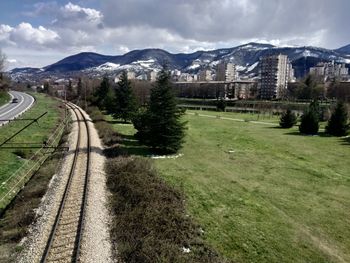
{"points": [[96, 245], [34, 244]]}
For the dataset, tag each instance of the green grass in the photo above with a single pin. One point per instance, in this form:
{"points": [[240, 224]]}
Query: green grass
{"points": [[12, 159], [4, 98], [278, 197]]}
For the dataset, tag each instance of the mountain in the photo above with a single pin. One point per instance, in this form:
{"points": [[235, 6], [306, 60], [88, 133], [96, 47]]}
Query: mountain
{"points": [[246, 57], [345, 49]]}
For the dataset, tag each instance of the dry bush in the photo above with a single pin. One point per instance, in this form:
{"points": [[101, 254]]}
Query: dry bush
{"points": [[150, 222]]}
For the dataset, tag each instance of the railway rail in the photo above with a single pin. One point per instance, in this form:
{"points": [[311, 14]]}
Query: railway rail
{"points": [[65, 238]]}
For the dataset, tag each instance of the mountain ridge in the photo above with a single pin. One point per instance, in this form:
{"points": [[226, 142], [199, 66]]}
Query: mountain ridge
{"points": [[141, 61]]}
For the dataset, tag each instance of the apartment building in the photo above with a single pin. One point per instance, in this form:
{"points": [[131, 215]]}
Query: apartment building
{"points": [[226, 72], [330, 70], [152, 76], [205, 75], [275, 72]]}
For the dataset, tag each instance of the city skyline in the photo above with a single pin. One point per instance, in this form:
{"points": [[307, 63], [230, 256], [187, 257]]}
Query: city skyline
{"points": [[34, 33]]}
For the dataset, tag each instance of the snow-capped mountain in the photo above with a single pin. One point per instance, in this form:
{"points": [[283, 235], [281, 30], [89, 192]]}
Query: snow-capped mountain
{"points": [[246, 57]]}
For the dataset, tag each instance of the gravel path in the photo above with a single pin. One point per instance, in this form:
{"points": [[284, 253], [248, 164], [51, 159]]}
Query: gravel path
{"points": [[96, 245]]}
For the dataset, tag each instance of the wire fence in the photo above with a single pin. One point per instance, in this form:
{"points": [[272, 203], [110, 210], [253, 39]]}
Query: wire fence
{"points": [[13, 184]]}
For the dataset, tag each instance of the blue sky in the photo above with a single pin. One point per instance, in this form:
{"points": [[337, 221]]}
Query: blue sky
{"points": [[37, 33]]}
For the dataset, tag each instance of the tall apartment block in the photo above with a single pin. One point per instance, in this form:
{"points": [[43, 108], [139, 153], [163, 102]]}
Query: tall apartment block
{"points": [[205, 75], [226, 72], [275, 72]]}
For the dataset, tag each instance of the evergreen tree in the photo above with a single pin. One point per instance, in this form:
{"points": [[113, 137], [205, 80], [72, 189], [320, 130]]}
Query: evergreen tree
{"points": [[70, 92], [309, 122], [80, 88], [338, 123], [288, 119], [125, 102], [109, 101], [101, 93], [160, 126], [46, 87], [221, 105]]}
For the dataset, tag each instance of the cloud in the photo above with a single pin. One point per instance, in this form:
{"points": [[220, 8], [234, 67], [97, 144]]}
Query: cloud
{"points": [[76, 16], [118, 26], [25, 35], [235, 20]]}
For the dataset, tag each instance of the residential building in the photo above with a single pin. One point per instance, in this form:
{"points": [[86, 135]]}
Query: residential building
{"points": [[274, 76], [152, 76], [131, 75], [226, 72], [205, 75], [330, 70]]}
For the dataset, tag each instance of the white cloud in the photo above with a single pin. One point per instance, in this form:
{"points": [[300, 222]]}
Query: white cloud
{"points": [[11, 60], [179, 25], [25, 35]]}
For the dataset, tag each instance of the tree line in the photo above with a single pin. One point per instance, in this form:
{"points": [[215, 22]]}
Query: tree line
{"points": [[158, 123], [309, 122]]}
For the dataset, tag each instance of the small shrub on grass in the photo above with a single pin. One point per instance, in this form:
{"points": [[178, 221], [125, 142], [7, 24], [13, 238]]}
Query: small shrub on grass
{"points": [[288, 119], [309, 123], [106, 132], [221, 105], [338, 123], [150, 222]]}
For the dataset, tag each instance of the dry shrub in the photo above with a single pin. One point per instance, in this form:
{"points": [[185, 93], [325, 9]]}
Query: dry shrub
{"points": [[150, 222], [106, 132]]}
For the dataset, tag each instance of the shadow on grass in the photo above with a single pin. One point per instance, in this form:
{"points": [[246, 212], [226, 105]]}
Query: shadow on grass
{"points": [[345, 141], [118, 122], [296, 133], [276, 127], [128, 145]]}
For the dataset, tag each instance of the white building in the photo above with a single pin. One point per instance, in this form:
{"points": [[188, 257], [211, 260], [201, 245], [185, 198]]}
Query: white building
{"points": [[152, 76], [131, 75]]}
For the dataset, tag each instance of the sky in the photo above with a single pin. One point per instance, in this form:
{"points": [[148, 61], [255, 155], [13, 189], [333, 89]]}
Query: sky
{"points": [[38, 33]]}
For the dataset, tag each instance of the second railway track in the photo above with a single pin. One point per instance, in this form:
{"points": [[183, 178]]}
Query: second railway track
{"points": [[65, 238]]}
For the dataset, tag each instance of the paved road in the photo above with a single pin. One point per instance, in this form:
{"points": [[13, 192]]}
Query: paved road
{"points": [[12, 110]]}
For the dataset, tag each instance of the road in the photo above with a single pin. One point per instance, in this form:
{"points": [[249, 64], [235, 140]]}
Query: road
{"points": [[12, 110]]}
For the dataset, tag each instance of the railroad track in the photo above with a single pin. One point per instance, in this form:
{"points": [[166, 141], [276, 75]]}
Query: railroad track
{"points": [[65, 238]]}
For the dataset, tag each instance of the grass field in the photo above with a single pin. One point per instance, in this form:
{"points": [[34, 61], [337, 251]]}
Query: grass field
{"points": [[12, 159], [263, 194], [4, 98]]}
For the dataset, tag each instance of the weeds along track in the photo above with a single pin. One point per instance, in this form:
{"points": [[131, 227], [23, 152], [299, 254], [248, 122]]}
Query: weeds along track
{"points": [[64, 240]]}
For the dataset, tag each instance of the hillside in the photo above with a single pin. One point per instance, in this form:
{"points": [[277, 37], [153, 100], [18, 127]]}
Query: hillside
{"points": [[246, 57]]}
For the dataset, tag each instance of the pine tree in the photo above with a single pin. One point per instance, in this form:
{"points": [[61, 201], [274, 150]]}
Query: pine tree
{"points": [[125, 102], [101, 93], [309, 122], [80, 89], [109, 101], [161, 126], [338, 123], [288, 119], [221, 105], [69, 90], [46, 87]]}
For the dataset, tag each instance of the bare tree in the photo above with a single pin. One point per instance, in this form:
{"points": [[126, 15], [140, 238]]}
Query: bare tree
{"points": [[2, 61]]}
